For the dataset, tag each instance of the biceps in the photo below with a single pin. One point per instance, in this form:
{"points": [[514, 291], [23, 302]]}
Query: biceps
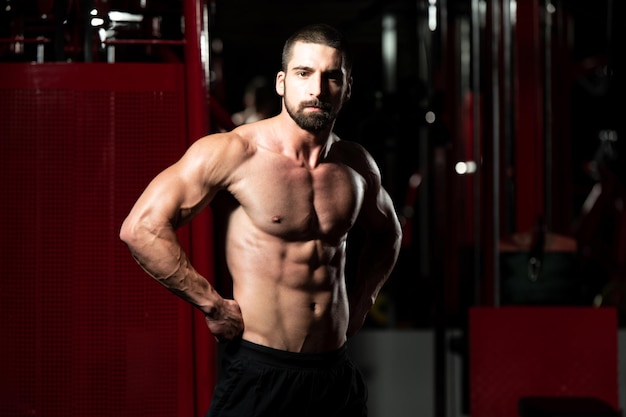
{"points": [[378, 214], [171, 198]]}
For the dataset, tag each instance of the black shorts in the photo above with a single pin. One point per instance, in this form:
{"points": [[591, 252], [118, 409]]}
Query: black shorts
{"points": [[260, 381]]}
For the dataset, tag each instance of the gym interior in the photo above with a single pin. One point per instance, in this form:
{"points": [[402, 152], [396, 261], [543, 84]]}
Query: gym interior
{"points": [[498, 126]]}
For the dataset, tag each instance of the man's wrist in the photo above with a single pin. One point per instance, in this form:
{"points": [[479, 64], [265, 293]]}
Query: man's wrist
{"points": [[211, 311]]}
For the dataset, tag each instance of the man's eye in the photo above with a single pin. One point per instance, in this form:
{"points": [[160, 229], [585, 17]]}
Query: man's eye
{"points": [[336, 80], [335, 77]]}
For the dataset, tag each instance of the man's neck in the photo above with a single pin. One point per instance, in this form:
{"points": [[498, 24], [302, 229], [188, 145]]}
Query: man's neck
{"points": [[306, 147]]}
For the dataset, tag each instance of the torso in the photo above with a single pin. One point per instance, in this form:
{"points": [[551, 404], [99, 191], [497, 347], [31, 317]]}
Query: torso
{"points": [[286, 248]]}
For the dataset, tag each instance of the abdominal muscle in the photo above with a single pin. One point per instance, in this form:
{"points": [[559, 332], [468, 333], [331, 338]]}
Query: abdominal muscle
{"points": [[292, 294]]}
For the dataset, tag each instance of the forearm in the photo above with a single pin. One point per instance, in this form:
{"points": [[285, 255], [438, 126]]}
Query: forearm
{"points": [[160, 254], [376, 261]]}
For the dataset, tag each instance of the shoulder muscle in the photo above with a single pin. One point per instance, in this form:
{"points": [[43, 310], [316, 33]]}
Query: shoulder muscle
{"points": [[213, 160]]}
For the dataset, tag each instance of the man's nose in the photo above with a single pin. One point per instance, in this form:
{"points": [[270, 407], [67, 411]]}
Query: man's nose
{"points": [[316, 85]]}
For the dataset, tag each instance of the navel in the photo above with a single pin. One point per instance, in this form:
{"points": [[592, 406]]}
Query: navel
{"points": [[276, 219]]}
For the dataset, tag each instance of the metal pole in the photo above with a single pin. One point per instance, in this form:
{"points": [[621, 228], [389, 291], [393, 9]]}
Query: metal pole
{"points": [[201, 230], [547, 110], [60, 8], [197, 120], [88, 5], [495, 137], [509, 111], [477, 157]]}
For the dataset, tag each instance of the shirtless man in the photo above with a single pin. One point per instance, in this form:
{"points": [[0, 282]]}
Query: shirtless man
{"points": [[299, 190]]}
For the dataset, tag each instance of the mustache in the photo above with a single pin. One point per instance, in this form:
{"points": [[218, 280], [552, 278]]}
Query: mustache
{"points": [[316, 103]]}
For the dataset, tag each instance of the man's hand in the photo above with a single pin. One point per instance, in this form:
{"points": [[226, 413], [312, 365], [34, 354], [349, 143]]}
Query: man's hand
{"points": [[225, 322]]}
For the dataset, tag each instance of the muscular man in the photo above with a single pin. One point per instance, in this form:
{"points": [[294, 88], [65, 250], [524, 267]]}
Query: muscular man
{"points": [[299, 190]]}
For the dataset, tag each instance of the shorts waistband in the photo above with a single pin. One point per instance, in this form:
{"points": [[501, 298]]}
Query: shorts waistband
{"points": [[279, 357]]}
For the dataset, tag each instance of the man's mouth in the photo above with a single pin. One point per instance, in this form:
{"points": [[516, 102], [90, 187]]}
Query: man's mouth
{"points": [[315, 106]]}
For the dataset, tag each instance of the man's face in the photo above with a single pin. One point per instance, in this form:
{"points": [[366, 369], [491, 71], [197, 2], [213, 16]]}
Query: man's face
{"points": [[314, 86]]}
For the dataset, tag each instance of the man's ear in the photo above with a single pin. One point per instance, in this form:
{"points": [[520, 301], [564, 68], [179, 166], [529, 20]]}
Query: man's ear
{"points": [[348, 89], [280, 83]]}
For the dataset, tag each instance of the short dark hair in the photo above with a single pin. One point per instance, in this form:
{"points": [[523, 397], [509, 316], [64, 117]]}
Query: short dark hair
{"points": [[321, 34]]}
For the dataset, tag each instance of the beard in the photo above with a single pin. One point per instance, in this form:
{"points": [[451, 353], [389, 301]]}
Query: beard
{"points": [[312, 121]]}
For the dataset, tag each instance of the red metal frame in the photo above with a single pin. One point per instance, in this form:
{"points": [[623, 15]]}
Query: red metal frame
{"points": [[79, 142], [201, 251], [562, 352], [195, 363]]}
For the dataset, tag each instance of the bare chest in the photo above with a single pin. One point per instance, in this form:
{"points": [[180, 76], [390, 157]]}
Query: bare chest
{"points": [[294, 202]]}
